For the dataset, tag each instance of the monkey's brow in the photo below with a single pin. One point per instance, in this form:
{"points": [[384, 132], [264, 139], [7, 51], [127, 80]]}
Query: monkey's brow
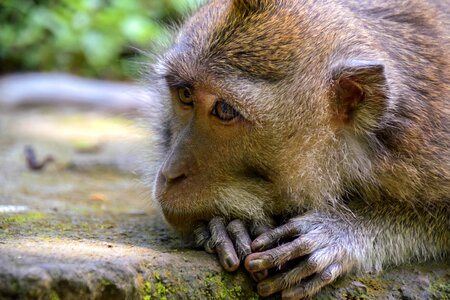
{"points": [[176, 81], [175, 75]]}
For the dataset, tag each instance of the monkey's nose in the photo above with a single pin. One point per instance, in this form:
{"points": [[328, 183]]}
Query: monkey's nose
{"points": [[174, 178], [173, 173]]}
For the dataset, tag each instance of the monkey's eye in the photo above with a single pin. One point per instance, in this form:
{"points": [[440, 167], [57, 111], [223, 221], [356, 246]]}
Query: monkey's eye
{"points": [[224, 111], [185, 96]]}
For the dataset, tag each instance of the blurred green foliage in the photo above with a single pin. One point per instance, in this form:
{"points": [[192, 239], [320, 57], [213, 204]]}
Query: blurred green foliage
{"points": [[96, 38]]}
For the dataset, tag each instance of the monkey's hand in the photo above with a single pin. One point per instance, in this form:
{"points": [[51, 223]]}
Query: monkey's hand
{"points": [[231, 242], [323, 246]]}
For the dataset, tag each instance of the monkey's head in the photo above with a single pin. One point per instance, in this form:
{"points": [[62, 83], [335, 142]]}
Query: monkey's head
{"points": [[260, 108]]}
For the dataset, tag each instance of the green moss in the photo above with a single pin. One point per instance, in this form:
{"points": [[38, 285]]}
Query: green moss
{"points": [[157, 276], [147, 291], [159, 291], [217, 287], [147, 287], [23, 218], [105, 282], [375, 286], [54, 296], [167, 285], [440, 290], [356, 295], [85, 225]]}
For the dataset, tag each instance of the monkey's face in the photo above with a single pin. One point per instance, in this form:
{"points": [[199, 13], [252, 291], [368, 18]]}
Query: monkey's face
{"points": [[243, 116], [216, 157], [223, 121]]}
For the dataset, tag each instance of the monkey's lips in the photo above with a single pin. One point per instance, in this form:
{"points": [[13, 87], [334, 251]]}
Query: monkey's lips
{"points": [[182, 207]]}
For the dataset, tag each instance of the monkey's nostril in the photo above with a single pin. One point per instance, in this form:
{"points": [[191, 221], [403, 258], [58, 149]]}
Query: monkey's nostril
{"points": [[175, 179], [174, 169]]}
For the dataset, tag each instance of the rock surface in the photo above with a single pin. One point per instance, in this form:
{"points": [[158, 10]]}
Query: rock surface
{"points": [[83, 227]]}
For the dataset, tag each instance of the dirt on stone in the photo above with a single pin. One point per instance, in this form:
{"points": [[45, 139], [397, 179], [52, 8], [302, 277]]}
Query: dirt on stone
{"points": [[83, 227]]}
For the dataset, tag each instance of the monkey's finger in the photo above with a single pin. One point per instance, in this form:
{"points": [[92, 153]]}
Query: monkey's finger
{"points": [[257, 230], [280, 255], [259, 276], [312, 286], [270, 238], [202, 237], [240, 237], [201, 234], [209, 247], [315, 263], [223, 245]]}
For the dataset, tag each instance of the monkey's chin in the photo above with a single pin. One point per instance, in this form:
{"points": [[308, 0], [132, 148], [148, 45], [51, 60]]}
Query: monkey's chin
{"points": [[184, 221], [180, 208], [179, 223]]}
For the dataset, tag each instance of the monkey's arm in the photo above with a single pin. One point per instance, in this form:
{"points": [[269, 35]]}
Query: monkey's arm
{"points": [[328, 245]]}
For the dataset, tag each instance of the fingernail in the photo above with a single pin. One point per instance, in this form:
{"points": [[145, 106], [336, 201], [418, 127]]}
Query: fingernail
{"points": [[230, 262], [256, 264]]}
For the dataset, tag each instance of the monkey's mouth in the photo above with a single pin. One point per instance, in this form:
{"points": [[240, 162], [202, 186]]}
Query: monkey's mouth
{"points": [[199, 199], [183, 218], [181, 206]]}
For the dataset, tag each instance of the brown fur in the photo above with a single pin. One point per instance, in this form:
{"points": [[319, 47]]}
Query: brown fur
{"points": [[346, 112]]}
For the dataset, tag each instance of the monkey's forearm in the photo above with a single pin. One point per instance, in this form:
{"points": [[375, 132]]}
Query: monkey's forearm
{"points": [[334, 244], [392, 234]]}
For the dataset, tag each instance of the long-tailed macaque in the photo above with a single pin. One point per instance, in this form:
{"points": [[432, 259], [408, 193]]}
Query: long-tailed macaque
{"points": [[306, 138]]}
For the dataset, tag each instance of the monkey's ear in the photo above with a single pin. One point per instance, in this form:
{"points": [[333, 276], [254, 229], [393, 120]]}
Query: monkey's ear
{"points": [[251, 5], [359, 94]]}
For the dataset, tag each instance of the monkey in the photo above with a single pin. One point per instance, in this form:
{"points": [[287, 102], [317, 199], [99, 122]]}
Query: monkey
{"points": [[305, 139]]}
